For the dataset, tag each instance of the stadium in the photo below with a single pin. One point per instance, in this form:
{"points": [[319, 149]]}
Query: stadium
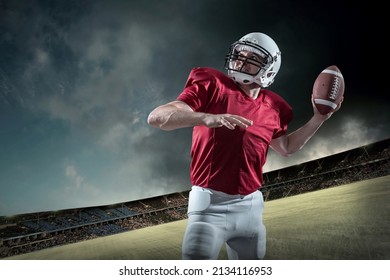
{"points": [[332, 208]]}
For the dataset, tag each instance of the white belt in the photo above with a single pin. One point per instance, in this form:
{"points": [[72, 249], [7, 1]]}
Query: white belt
{"points": [[219, 193]]}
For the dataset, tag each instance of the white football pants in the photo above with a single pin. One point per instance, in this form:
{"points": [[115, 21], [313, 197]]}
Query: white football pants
{"points": [[215, 218]]}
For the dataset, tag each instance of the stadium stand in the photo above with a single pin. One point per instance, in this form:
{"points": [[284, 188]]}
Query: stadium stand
{"points": [[35, 231]]}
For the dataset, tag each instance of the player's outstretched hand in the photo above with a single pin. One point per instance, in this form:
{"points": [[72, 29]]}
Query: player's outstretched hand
{"points": [[227, 120]]}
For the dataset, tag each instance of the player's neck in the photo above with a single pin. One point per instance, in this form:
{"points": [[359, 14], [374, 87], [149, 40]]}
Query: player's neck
{"points": [[252, 90]]}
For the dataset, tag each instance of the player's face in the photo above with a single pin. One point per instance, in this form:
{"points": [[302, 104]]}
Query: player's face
{"points": [[249, 62]]}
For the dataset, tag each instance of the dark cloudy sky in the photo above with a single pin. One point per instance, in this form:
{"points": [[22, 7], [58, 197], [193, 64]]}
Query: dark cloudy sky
{"points": [[78, 79]]}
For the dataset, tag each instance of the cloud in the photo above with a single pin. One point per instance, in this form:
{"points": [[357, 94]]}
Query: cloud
{"points": [[355, 132], [78, 185], [122, 137]]}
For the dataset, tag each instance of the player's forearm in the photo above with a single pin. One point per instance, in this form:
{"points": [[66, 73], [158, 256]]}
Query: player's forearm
{"points": [[170, 118], [298, 139]]}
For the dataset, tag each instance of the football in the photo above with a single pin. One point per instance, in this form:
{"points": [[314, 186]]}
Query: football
{"points": [[328, 89]]}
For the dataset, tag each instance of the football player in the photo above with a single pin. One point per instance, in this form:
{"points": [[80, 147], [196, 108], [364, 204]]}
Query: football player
{"points": [[235, 119]]}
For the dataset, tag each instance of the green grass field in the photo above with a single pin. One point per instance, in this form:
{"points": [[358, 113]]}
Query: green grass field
{"points": [[347, 222]]}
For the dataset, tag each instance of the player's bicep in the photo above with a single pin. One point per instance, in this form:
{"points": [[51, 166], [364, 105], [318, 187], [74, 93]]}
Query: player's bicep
{"points": [[162, 113], [171, 107], [280, 145], [180, 105]]}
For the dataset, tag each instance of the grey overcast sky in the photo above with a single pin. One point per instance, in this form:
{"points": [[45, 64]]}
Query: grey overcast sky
{"points": [[78, 79]]}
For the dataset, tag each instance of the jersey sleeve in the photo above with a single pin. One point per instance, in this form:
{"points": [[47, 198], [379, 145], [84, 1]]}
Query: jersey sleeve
{"points": [[286, 115], [285, 112], [197, 90]]}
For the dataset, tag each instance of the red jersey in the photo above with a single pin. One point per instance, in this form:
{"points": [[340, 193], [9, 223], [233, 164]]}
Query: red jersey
{"points": [[227, 160]]}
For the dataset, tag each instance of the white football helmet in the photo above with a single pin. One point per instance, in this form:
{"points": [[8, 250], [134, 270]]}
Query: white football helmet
{"points": [[261, 45]]}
